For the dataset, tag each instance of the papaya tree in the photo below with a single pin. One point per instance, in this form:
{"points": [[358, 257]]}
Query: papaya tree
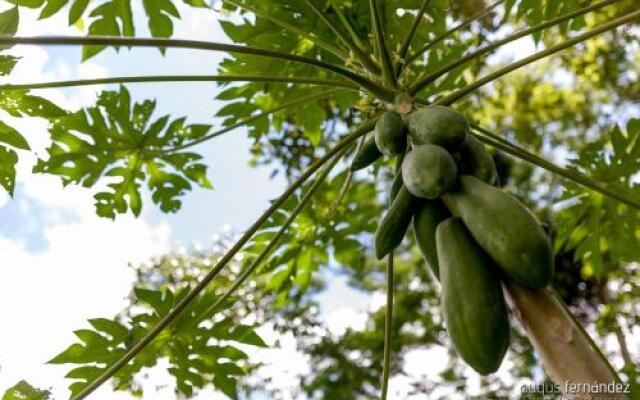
{"points": [[518, 179]]}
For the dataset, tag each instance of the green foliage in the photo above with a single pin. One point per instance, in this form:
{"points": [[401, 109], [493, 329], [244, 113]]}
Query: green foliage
{"points": [[17, 104], [200, 351], [117, 141], [24, 391], [116, 144], [602, 230], [316, 237], [534, 12], [112, 17]]}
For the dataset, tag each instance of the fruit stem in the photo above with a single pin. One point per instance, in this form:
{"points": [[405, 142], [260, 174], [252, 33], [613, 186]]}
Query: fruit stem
{"points": [[388, 324]]}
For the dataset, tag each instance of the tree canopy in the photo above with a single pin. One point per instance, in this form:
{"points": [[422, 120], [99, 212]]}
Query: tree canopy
{"points": [[302, 77]]}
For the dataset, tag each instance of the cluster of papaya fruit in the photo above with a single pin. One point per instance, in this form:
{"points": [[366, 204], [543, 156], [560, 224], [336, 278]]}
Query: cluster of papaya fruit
{"points": [[471, 233]]}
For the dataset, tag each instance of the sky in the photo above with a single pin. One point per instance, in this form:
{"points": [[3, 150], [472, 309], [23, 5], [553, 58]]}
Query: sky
{"points": [[61, 264]]}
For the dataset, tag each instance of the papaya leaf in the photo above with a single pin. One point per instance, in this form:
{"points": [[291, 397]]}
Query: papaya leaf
{"points": [[8, 157], [116, 143], [313, 241], [7, 63], [111, 18], [19, 103], [602, 231], [108, 17], [159, 13], [9, 21], [24, 391], [10, 136], [77, 9], [201, 352], [8, 161]]}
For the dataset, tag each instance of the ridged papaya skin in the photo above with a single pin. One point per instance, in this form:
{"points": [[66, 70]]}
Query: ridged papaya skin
{"points": [[472, 301], [394, 224], [439, 125], [391, 134], [429, 215], [367, 155], [505, 229], [476, 161], [429, 171], [396, 185]]}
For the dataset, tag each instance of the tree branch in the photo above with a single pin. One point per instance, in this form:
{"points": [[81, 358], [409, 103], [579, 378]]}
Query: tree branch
{"points": [[451, 31], [193, 293], [409, 38], [347, 25], [364, 59], [427, 80], [246, 120], [499, 143], [211, 310], [385, 59], [179, 78], [455, 96], [360, 80], [388, 328]]}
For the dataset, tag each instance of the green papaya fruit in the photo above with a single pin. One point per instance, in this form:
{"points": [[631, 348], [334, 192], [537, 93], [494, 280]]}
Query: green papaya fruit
{"points": [[476, 161], [395, 222], [396, 184], [391, 134], [367, 154], [439, 125], [472, 301], [429, 171], [429, 215], [505, 229]]}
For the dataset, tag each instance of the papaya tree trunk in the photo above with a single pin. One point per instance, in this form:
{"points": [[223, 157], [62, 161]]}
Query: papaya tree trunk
{"points": [[568, 354]]}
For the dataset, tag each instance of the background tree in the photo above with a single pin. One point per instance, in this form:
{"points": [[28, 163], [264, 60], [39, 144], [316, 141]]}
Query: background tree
{"points": [[299, 75]]}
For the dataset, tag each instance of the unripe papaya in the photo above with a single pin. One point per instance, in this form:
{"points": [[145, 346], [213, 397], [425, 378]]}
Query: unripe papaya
{"points": [[391, 134], [395, 222], [472, 302], [439, 125], [429, 171], [476, 161], [396, 185], [366, 155], [425, 222], [505, 229]]}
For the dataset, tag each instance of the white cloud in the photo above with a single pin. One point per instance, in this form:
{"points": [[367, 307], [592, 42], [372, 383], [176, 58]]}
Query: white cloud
{"points": [[46, 295], [82, 272]]}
